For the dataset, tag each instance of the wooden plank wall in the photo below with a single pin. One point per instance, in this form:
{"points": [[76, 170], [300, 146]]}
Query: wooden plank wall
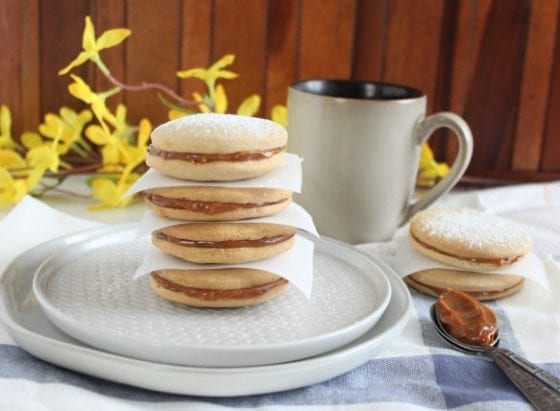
{"points": [[496, 62]]}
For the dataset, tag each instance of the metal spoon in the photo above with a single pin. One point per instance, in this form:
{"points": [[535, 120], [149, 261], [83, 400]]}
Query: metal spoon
{"points": [[540, 387]]}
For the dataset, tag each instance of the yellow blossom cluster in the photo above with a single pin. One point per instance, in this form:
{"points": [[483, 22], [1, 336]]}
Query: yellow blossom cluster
{"points": [[98, 140], [122, 146], [23, 164], [70, 143], [216, 98]]}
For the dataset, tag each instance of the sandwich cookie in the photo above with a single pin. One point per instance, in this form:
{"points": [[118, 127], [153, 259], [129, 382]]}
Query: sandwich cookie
{"points": [[224, 243], [219, 288], [479, 285], [217, 147], [468, 238], [216, 203]]}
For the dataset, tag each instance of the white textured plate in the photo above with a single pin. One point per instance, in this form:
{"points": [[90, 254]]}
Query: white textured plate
{"points": [[27, 325], [86, 289]]}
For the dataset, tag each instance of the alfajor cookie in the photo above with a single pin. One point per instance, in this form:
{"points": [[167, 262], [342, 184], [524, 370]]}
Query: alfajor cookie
{"points": [[468, 238], [217, 147], [480, 285], [224, 243], [216, 203], [219, 288]]}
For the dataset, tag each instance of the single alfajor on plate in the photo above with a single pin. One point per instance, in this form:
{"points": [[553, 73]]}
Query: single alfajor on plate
{"points": [[217, 147], [216, 203], [218, 288], [482, 286], [468, 238], [224, 243]]}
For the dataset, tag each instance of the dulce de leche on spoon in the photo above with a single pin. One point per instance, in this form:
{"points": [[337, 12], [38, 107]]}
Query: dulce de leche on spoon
{"points": [[466, 319]]}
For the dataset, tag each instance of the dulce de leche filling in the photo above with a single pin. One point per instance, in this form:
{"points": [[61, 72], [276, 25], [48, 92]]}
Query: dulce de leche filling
{"points": [[212, 295], [466, 319], [494, 261], [260, 242], [199, 158], [205, 207]]}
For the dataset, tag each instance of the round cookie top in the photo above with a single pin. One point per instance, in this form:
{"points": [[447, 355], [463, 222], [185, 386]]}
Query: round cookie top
{"points": [[469, 233], [218, 133]]}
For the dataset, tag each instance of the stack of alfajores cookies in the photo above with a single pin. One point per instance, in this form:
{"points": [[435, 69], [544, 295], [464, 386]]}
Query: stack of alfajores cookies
{"points": [[216, 148]]}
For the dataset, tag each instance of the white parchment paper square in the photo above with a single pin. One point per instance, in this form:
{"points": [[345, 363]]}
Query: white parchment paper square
{"points": [[287, 177], [295, 265], [294, 216], [405, 260]]}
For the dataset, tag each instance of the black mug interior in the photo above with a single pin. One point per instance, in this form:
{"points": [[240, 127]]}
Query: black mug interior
{"points": [[365, 90]]}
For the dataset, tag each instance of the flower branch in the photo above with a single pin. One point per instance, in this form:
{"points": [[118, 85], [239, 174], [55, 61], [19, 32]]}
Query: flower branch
{"points": [[144, 86]]}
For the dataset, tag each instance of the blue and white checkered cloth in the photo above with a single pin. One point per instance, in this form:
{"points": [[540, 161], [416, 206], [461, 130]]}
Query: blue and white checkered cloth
{"points": [[416, 371]]}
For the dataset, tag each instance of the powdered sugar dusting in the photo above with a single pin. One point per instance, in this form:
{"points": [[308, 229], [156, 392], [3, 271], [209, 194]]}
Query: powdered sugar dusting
{"points": [[205, 125], [472, 229]]}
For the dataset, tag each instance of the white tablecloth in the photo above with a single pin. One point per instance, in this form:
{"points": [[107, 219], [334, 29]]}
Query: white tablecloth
{"points": [[416, 371]]}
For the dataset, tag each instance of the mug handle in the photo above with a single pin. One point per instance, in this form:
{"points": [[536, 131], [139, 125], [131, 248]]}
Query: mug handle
{"points": [[424, 130]]}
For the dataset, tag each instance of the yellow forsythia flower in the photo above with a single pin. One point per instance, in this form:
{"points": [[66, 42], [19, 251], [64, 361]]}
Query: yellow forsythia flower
{"points": [[109, 144], [67, 128], [110, 194], [100, 136], [249, 106], [123, 131], [175, 114], [220, 102], [210, 75], [429, 170], [279, 114], [6, 140], [135, 154], [203, 107], [44, 157], [214, 72], [9, 159], [33, 177], [11, 190], [82, 91], [105, 191], [30, 140], [92, 46]]}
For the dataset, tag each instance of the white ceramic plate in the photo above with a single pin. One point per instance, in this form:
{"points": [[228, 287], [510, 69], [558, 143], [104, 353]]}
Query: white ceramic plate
{"points": [[86, 289], [28, 326]]}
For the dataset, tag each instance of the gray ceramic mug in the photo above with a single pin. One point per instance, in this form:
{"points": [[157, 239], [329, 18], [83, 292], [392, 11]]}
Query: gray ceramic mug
{"points": [[360, 143]]}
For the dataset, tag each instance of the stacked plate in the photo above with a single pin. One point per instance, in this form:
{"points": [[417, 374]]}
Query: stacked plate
{"points": [[113, 327]]}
